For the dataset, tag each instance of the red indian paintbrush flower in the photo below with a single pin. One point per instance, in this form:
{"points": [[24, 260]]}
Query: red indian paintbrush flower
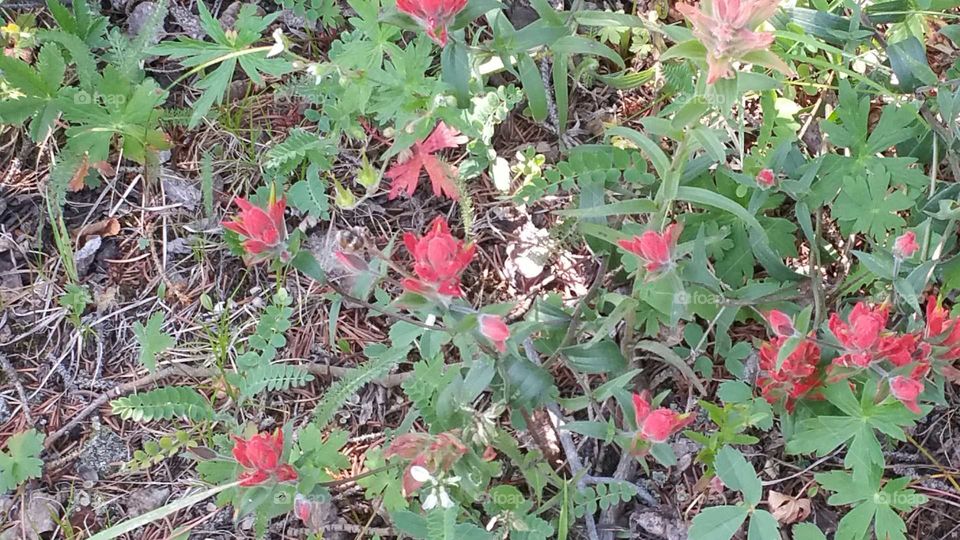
{"points": [[781, 323], [942, 332], [260, 457], [798, 376], [493, 328], [405, 174], [654, 248], [905, 245], [263, 232], [907, 390], [439, 259], [433, 15], [657, 425], [726, 29], [766, 179], [860, 336]]}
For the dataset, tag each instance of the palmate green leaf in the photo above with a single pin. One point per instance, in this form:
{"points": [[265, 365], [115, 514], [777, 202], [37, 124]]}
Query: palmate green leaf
{"points": [[872, 503], [114, 109], [867, 205], [39, 87], [807, 531], [20, 459], [152, 339], [227, 51]]}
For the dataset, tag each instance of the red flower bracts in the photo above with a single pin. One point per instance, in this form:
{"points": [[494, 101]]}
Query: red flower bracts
{"points": [[433, 15], [656, 249], [432, 452], [262, 231], [907, 390], [260, 457], [657, 425], [942, 332], [493, 328], [766, 179], [905, 245], [405, 173], [781, 324], [438, 260], [798, 377], [860, 335]]}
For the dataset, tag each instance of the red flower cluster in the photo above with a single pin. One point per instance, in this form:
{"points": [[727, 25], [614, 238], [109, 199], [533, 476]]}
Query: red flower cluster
{"points": [[433, 15], [657, 425], [432, 452], [864, 343], [263, 231], [797, 378], [860, 335], [439, 259], [656, 249], [260, 457]]}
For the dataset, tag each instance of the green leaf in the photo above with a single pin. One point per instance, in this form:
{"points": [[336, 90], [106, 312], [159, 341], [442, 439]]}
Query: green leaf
{"points": [[310, 196], [763, 526], [690, 50], [582, 45], [653, 152], [718, 523], [866, 205], [152, 339], [671, 358], [908, 58], [21, 459], [533, 88], [807, 531], [164, 404], [737, 473], [455, 71], [594, 358], [633, 206]]}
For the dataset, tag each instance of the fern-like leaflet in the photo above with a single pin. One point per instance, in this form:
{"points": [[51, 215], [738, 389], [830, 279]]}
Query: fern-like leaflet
{"points": [[273, 377], [382, 360], [164, 404]]}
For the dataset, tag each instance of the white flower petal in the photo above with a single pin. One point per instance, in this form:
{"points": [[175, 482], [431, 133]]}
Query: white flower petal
{"points": [[445, 501], [430, 501], [278, 45], [420, 474]]}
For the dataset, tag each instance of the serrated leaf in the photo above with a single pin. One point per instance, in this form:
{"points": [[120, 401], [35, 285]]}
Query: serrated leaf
{"points": [[20, 461], [152, 339]]}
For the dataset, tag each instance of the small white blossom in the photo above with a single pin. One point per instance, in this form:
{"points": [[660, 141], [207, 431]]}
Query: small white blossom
{"points": [[437, 494], [278, 45]]}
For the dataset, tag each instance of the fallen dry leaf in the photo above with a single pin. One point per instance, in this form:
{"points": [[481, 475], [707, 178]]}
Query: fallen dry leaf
{"points": [[106, 228], [787, 509], [76, 182]]}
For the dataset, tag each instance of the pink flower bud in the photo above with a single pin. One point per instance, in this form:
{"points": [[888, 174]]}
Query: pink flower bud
{"points": [[905, 245], [766, 179], [493, 328]]}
